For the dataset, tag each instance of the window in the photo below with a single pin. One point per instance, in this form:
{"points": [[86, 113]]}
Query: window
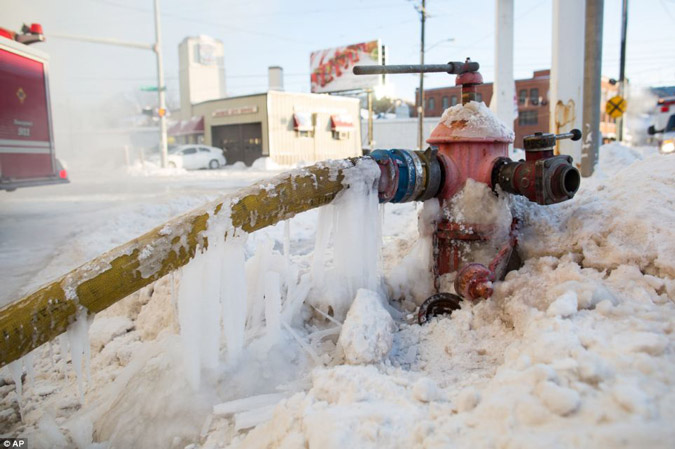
{"points": [[340, 135], [204, 150], [453, 100], [527, 117], [302, 124], [190, 151], [445, 103], [534, 96], [522, 96], [341, 125], [479, 97], [431, 104], [671, 124]]}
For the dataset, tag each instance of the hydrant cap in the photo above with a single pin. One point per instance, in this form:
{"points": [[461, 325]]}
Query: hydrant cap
{"points": [[472, 122]]}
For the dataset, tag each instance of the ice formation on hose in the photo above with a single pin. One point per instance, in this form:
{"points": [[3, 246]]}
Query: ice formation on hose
{"points": [[475, 120], [351, 223]]}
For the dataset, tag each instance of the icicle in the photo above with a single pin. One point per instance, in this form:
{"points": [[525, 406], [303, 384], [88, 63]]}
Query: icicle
{"points": [[63, 346], [51, 353], [256, 266], [287, 242], [323, 232], [174, 299], [356, 236], [326, 316], [248, 403], [308, 349], [78, 337], [233, 296], [272, 285], [209, 302], [252, 418], [16, 370], [202, 293], [380, 238], [297, 294], [190, 293], [28, 363]]}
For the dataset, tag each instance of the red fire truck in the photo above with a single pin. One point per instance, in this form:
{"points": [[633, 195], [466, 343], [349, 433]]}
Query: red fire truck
{"points": [[26, 137]]}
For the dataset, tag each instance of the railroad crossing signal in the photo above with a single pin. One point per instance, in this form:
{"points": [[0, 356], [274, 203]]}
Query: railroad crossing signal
{"points": [[616, 106]]}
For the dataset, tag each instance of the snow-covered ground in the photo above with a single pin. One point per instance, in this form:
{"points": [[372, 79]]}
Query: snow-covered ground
{"points": [[575, 349], [47, 231]]}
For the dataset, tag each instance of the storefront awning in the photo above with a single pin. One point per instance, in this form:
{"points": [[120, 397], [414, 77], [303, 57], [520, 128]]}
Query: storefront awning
{"points": [[342, 122], [187, 127], [302, 121]]}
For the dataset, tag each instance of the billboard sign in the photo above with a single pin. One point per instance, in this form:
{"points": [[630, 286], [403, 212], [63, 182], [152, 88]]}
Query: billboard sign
{"points": [[331, 69]]}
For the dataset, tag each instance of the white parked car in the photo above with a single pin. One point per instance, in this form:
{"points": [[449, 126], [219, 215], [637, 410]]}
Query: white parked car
{"points": [[193, 157]]}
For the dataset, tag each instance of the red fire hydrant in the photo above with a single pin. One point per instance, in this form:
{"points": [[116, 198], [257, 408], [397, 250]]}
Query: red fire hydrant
{"points": [[470, 143]]}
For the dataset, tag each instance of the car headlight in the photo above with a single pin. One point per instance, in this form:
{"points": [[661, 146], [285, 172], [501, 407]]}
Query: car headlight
{"points": [[668, 146]]}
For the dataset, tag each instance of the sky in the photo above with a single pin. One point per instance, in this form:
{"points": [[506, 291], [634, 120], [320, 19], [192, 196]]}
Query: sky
{"points": [[262, 33]]}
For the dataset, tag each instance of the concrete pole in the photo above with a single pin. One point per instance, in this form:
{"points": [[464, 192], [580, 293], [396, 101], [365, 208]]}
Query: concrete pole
{"points": [[567, 73], [502, 103], [592, 86], [161, 89], [420, 108]]}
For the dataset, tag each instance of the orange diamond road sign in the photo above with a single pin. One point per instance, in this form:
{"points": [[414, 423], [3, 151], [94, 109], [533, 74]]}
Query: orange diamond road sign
{"points": [[616, 106], [21, 95], [161, 112]]}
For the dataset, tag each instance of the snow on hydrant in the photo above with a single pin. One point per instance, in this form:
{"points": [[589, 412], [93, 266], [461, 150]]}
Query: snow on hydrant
{"points": [[468, 155]]}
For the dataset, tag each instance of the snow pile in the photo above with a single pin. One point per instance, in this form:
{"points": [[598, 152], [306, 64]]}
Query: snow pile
{"points": [[367, 332], [614, 157], [625, 221], [565, 354], [475, 120]]}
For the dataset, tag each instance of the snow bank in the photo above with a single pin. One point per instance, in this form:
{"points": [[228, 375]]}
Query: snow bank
{"points": [[625, 220], [475, 120]]}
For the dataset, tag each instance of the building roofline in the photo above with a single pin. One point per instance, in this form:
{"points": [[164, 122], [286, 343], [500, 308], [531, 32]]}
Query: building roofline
{"points": [[231, 98]]}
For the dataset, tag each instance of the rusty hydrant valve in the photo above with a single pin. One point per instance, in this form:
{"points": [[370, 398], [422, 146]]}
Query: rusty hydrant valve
{"points": [[541, 177]]}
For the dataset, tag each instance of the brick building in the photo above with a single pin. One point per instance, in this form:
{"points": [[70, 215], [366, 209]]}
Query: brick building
{"points": [[532, 98]]}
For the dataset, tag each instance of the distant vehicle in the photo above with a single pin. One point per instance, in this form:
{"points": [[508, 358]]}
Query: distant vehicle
{"points": [[665, 136], [26, 137], [665, 107], [193, 157]]}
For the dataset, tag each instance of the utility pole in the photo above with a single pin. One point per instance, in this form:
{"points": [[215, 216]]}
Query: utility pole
{"points": [[420, 107], [161, 88], [592, 86], [622, 64]]}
